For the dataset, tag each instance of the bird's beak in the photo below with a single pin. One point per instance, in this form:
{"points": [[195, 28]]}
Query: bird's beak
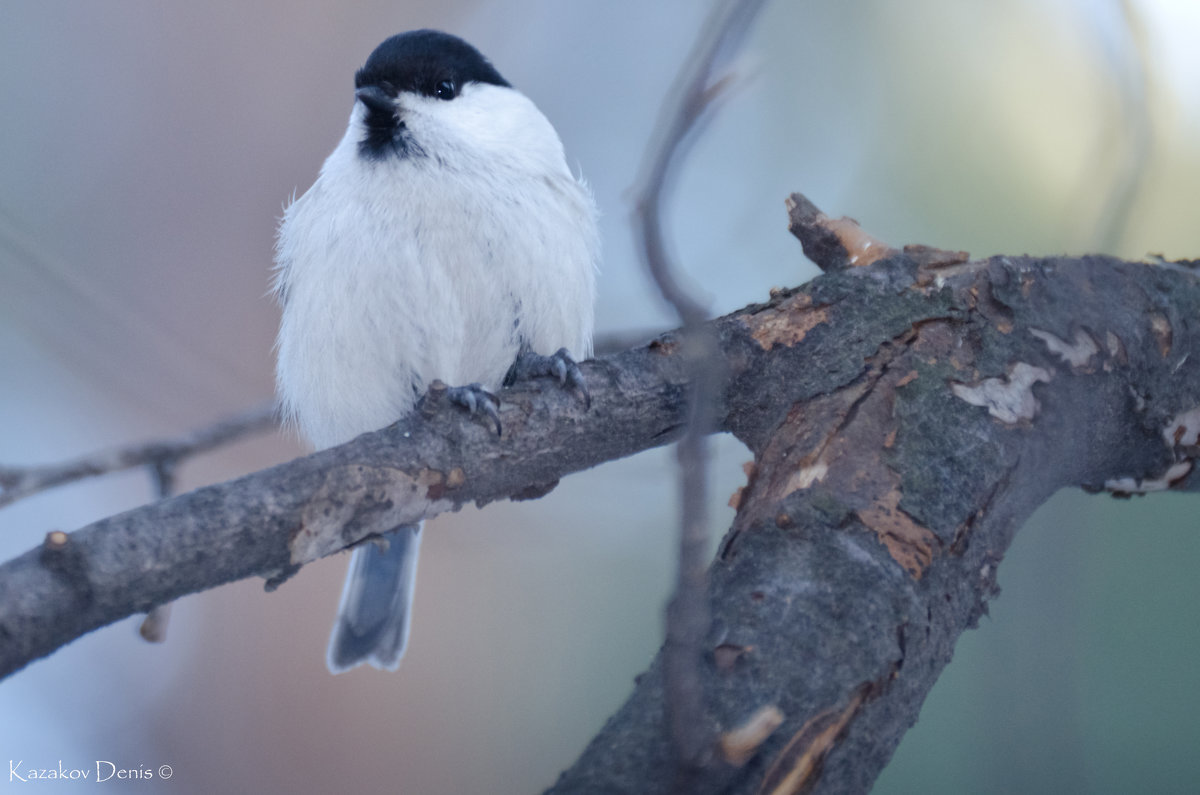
{"points": [[375, 99]]}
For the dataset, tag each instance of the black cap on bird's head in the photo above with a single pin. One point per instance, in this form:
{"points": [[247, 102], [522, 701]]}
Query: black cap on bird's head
{"points": [[426, 62]]}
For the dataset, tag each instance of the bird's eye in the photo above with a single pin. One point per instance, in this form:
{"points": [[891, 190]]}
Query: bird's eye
{"points": [[446, 89]]}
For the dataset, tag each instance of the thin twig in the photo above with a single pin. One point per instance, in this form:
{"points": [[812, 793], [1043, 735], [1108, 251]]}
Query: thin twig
{"points": [[694, 92], [1131, 68], [16, 483], [153, 628]]}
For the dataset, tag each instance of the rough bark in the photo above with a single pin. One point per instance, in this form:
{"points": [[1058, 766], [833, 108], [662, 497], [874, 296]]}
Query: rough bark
{"points": [[905, 418], [908, 421]]}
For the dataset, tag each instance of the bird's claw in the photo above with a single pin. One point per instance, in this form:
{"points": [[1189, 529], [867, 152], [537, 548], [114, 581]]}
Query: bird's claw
{"points": [[476, 400], [558, 365]]}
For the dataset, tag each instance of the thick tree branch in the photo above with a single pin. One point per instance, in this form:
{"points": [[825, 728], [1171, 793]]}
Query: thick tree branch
{"points": [[271, 522], [904, 418], [913, 416]]}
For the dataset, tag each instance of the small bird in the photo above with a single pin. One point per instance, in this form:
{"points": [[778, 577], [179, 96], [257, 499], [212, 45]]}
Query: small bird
{"points": [[445, 238]]}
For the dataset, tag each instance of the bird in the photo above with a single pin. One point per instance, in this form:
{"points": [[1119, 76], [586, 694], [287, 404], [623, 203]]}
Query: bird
{"points": [[444, 238]]}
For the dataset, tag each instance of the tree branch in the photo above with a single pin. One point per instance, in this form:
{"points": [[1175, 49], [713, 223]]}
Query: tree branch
{"points": [[914, 412], [271, 522], [905, 419], [17, 483]]}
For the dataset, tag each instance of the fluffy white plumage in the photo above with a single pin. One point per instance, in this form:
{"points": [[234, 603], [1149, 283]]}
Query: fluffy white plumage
{"points": [[438, 260], [395, 272]]}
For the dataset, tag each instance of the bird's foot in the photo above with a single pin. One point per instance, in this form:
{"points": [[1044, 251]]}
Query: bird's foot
{"points": [[558, 365], [476, 400]]}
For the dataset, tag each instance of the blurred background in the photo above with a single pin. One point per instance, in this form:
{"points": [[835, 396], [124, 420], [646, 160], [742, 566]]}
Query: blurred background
{"points": [[146, 151]]}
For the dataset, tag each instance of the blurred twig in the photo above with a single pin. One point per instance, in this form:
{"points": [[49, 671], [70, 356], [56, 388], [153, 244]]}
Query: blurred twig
{"points": [[692, 95], [153, 628], [16, 483], [1132, 136]]}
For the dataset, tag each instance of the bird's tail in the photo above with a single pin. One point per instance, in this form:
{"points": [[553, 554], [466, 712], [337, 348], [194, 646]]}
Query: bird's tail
{"points": [[373, 617]]}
